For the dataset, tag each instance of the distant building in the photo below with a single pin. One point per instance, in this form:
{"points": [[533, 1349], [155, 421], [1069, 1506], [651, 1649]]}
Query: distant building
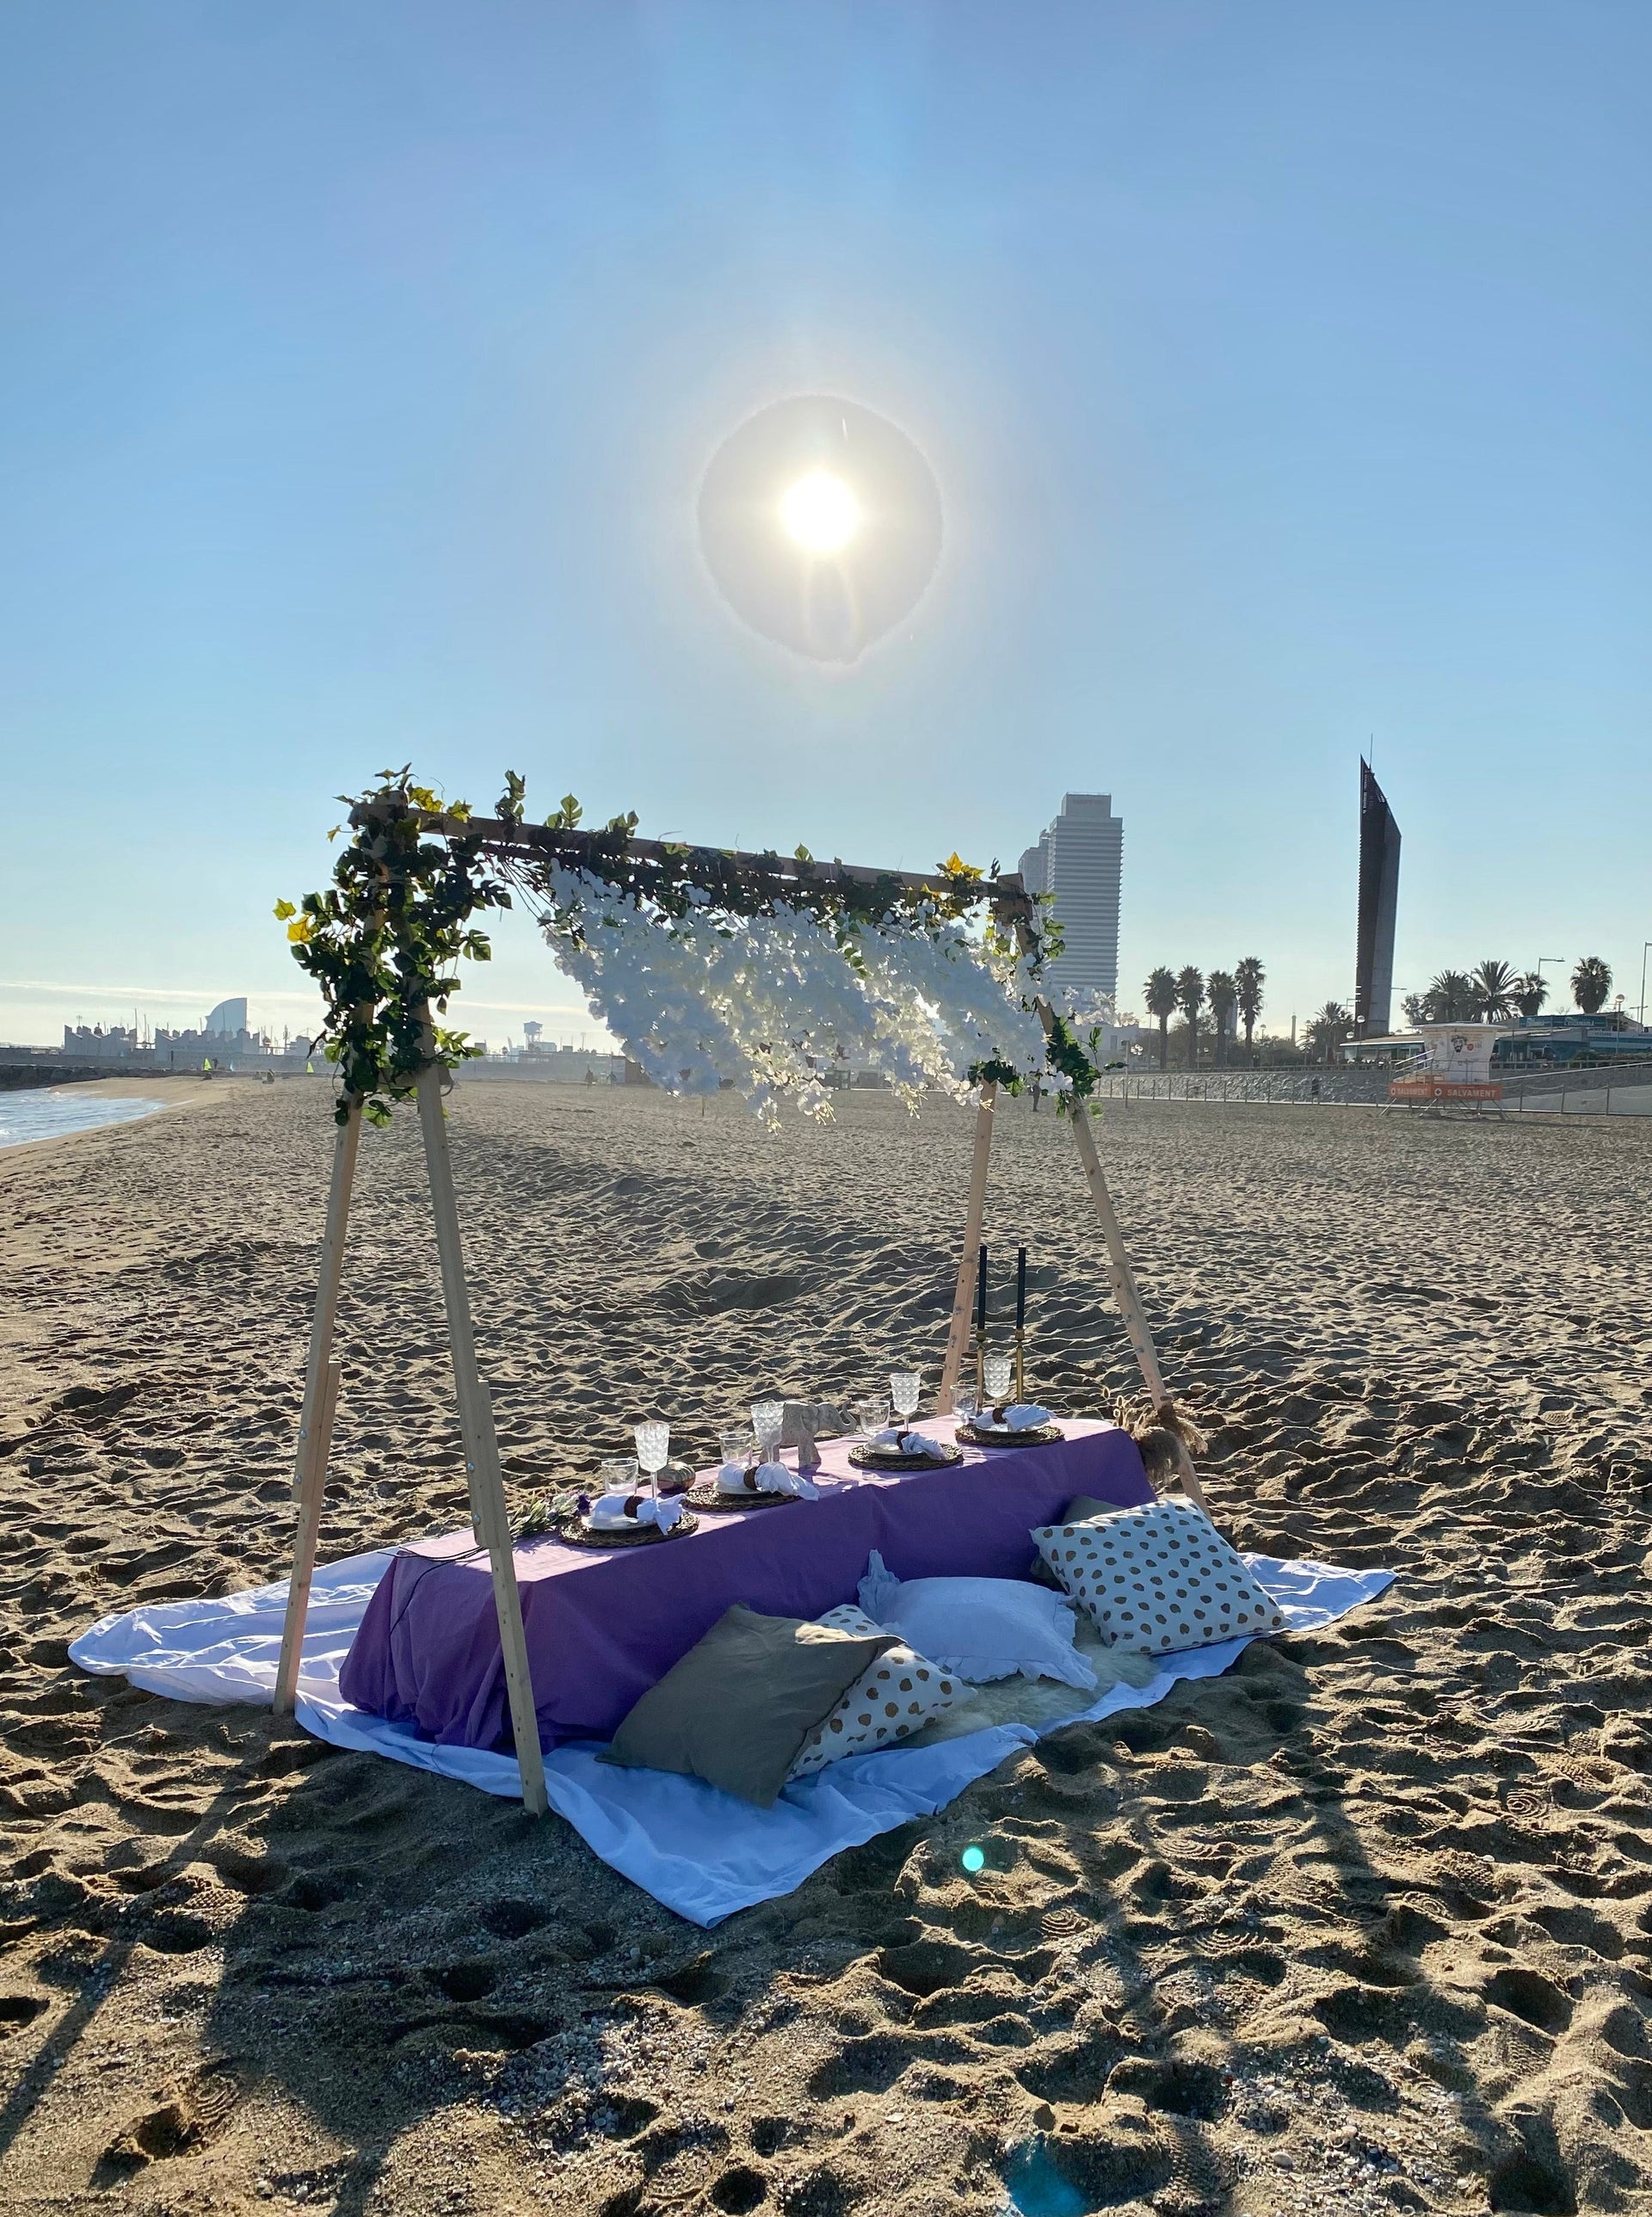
{"points": [[1080, 861], [229, 1018], [91, 1042], [1379, 895]]}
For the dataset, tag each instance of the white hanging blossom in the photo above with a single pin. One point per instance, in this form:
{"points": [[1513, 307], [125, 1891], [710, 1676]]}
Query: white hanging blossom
{"points": [[771, 1002]]}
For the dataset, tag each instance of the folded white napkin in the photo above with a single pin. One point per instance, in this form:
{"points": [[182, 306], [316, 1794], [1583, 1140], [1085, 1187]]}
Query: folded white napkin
{"points": [[1026, 1416], [622, 1512], [912, 1443], [775, 1478]]}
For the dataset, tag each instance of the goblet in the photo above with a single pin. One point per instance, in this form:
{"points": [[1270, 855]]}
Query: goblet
{"points": [[1000, 1369], [905, 1389], [653, 1451], [768, 1421]]}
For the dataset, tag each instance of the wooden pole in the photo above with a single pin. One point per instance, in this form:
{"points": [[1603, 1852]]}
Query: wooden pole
{"points": [[312, 1495], [320, 1399], [958, 1338], [489, 1514], [1124, 1292]]}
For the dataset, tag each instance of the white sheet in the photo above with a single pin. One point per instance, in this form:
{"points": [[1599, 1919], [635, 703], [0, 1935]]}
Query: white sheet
{"points": [[700, 1851]]}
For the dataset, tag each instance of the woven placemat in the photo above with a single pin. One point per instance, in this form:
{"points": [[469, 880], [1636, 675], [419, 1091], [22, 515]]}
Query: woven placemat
{"points": [[710, 1502], [574, 1533], [1036, 1436], [865, 1458]]}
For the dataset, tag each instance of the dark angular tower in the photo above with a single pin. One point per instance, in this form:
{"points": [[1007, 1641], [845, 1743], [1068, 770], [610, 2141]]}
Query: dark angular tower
{"points": [[1379, 894]]}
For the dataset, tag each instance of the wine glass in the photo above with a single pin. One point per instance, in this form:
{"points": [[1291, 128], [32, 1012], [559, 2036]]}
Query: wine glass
{"points": [[653, 1451], [768, 1421], [905, 1389], [998, 1370]]}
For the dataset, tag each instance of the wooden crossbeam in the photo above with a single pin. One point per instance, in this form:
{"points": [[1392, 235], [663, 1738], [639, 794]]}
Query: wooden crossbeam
{"points": [[784, 875]]}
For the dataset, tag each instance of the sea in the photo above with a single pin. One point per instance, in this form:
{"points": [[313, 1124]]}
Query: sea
{"points": [[60, 1108]]}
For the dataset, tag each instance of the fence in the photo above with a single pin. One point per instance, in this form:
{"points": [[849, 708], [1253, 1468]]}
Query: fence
{"points": [[1587, 1090]]}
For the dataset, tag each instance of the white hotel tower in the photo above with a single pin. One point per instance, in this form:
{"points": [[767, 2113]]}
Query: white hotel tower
{"points": [[1080, 860]]}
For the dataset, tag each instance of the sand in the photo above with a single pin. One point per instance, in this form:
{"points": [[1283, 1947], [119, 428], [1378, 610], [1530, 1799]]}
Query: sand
{"points": [[1364, 1925]]}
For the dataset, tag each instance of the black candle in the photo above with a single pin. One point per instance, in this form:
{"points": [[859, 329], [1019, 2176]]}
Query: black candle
{"points": [[980, 1290], [1020, 1288]]}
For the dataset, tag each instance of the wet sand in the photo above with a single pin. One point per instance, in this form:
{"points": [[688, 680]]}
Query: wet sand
{"points": [[1365, 1924]]}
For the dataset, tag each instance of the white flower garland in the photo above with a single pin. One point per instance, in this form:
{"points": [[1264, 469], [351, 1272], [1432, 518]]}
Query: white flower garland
{"points": [[771, 1002]]}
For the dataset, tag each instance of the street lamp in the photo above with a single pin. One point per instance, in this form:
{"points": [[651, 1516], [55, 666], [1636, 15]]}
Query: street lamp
{"points": [[1641, 1017], [1542, 959]]}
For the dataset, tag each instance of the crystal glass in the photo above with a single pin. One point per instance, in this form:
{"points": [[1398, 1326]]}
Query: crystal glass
{"points": [[963, 1403], [768, 1421], [619, 1476], [653, 1451], [1000, 1369], [735, 1444], [906, 1389]]}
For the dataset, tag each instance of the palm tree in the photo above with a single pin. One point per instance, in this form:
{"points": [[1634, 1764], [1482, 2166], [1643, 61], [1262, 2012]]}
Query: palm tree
{"points": [[1161, 993], [1224, 998], [1494, 986], [1190, 999], [1451, 998], [1249, 976], [1330, 1029], [1529, 993], [1591, 983]]}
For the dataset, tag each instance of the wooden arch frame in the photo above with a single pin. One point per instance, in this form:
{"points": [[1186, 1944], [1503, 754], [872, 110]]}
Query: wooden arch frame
{"points": [[782, 877]]}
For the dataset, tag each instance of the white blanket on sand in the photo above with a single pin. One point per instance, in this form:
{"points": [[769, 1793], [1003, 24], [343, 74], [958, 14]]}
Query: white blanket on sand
{"points": [[698, 1850]]}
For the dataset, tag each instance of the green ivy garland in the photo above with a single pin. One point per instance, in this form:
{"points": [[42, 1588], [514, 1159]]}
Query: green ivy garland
{"points": [[382, 942]]}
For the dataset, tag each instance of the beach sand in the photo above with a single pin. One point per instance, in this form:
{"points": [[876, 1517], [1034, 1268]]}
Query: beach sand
{"points": [[1364, 1925]]}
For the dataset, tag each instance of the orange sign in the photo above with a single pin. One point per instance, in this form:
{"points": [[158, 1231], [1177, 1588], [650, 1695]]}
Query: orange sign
{"points": [[1440, 1089]]}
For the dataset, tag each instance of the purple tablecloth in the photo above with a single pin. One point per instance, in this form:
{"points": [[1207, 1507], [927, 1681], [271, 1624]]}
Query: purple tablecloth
{"points": [[603, 1627]]}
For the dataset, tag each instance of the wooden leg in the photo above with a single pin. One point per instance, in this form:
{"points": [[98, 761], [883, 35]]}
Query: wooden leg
{"points": [[958, 1338], [489, 1513], [1118, 1268], [311, 1497], [320, 1397]]}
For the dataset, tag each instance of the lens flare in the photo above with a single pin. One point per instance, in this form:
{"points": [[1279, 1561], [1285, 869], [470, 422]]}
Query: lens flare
{"points": [[974, 1859]]}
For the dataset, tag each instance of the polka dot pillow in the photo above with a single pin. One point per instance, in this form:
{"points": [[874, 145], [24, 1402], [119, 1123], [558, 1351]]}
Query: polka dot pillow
{"points": [[897, 1696], [1158, 1579]]}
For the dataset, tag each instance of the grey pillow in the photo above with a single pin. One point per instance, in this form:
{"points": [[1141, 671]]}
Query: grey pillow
{"points": [[738, 1708]]}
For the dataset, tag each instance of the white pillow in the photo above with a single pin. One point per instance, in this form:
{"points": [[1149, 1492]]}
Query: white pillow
{"points": [[1158, 1579], [979, 1628], [896, 1696]]}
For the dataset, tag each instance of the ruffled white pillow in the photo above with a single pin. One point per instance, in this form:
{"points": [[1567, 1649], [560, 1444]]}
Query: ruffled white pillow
{"points": [[1158, 1579], [979, 1628], [896, 1696]]}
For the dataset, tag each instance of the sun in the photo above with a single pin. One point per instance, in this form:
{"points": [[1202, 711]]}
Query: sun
{"points": [[820, 513]]}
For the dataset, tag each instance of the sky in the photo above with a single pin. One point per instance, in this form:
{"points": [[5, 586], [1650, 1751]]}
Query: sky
{"points": [[1283, 369]]}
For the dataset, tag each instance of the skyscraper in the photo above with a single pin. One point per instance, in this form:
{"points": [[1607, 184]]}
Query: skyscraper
{"points": [[1080, 859], [1379, 894]]}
